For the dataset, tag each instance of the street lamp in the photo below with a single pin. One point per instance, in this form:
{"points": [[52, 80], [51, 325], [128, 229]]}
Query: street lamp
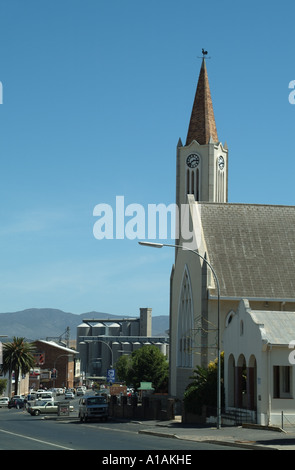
{"points": [[160, 245], [112, 355], [104, 342]]}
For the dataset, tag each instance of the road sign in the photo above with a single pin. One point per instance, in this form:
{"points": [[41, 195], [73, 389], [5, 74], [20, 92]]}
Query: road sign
{"points": [[111, 375]]}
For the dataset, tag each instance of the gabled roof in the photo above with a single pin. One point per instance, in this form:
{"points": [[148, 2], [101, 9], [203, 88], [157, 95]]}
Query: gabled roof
{"points": [[251, 248], [277, 328], [202, 122], [57, 346]]}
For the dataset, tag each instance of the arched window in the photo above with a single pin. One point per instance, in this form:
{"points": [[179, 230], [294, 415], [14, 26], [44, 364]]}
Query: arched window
{"points": [[185, 322], [229, 318], [197, 195], [187, 182], [219, 192], [193, 183], [241, 328]]}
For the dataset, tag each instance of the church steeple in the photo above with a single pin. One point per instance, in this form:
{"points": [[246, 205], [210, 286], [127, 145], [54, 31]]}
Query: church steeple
{"points": [[202, 164], [202, 123]]}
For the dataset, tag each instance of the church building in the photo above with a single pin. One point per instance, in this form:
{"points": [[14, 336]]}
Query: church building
{"points": [[250, 247]]}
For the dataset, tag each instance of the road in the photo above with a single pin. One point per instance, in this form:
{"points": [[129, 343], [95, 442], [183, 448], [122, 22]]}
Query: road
{"points": [[21, 431]]}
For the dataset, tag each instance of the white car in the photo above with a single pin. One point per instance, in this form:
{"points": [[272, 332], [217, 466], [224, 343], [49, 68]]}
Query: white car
{"points": [[46, 407], [69, 395], [4, 401], [80, 391]]}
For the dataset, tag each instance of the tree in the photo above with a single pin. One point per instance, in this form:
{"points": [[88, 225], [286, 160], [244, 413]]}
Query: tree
{"points": [[3, 383], [123, 367], [146, 364], [203, 390], [17, 357]]}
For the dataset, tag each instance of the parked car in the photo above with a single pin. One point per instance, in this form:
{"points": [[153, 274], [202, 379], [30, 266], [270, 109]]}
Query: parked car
{"points": [[16, 403], [69, 394], [45, 407], [4, 401], [93, 407]]}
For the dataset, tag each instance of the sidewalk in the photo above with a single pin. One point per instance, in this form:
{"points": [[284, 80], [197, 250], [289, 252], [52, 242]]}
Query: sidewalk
{"points": [[250, 437]]}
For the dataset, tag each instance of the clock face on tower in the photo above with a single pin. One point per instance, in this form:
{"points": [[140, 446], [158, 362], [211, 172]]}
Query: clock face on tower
{"points": [[221, 162], [192, 160]]}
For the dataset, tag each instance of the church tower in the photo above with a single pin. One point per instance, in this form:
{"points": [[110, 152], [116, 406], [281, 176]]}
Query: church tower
{"points": [[202, 168], [202, 164]]}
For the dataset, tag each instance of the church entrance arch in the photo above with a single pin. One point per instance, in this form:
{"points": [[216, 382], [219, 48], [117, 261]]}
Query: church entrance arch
{"points": [[246, 383]]}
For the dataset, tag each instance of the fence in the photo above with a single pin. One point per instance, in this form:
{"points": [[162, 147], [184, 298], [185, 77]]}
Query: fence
{"points": [[230, 416], [159, 408]]}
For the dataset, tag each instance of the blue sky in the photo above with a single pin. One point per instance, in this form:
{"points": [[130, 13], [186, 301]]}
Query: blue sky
{"points": [[96, 95]]}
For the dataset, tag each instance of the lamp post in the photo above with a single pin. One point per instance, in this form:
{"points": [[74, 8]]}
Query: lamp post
{"points": [[112, 355], [104, 342], [160, 245]]}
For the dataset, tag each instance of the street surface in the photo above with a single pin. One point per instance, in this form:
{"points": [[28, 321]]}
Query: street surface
{"points": [[21, 431]]}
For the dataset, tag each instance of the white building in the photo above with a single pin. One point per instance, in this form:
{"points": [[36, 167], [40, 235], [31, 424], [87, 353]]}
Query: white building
{"points": [[259, 364]]}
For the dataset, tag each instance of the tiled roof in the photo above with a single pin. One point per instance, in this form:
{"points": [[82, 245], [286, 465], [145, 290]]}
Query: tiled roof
{"points": [[251, 248]]}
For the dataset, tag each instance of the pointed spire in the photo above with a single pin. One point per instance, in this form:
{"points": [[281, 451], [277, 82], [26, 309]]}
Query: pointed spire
{"points": [[202, 123], [179, 143]]}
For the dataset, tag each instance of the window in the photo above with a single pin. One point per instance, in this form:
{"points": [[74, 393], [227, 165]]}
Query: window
{"points": [[282, 382], [185, 323], [193, 184], [229, 318], [219, 195], [241, 328]]}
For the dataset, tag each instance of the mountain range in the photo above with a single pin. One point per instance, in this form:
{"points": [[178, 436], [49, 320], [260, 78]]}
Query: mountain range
{"points": [[48, 323]]}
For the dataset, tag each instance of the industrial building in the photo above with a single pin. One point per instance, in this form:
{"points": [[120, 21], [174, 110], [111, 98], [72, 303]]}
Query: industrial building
{"points": [[102, 342]]}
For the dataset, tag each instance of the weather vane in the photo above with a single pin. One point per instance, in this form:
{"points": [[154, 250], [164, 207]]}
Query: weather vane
{"points": [[204, 55]]}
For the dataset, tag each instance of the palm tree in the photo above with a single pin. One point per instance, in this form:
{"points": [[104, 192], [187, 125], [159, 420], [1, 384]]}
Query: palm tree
{"points": [[17, 356]]}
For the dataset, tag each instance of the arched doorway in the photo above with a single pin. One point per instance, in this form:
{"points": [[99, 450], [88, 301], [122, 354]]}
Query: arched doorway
{"points": [[241, 383], [246, 383]]}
